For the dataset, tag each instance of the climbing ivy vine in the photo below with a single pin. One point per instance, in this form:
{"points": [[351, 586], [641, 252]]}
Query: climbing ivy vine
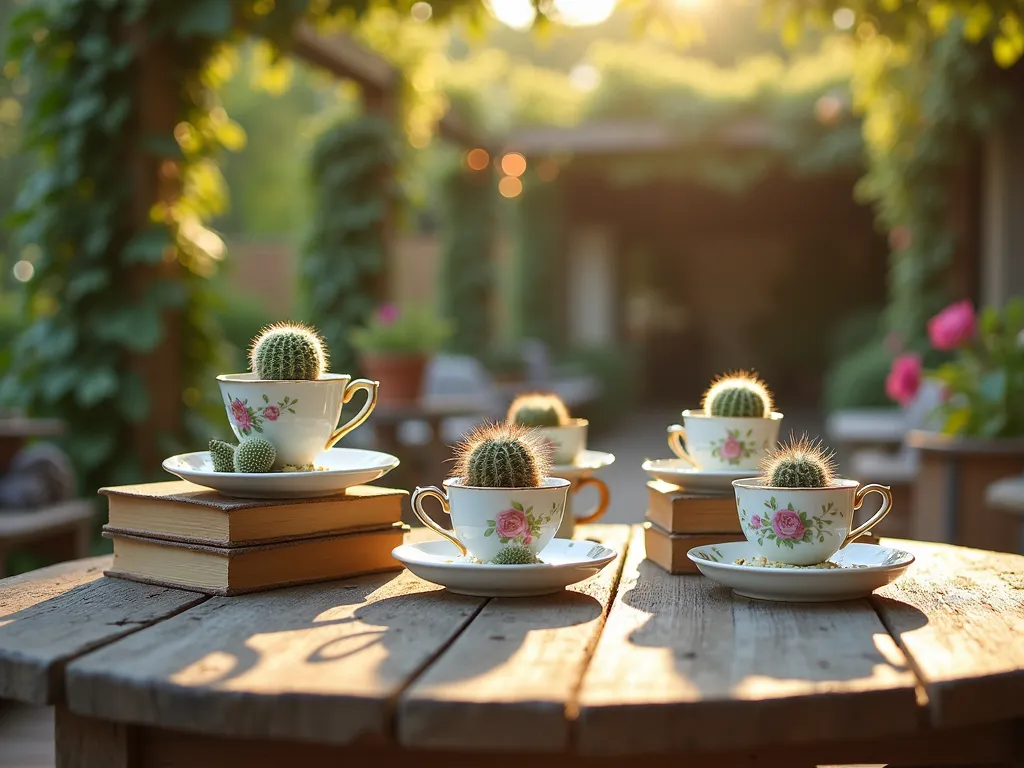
{"points": [[352, 168]]}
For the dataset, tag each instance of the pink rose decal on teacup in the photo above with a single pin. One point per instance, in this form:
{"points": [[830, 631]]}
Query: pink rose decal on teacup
{"points": [[241, 415], [511, 524], [731, 448], [787, 525], [271, 412]]}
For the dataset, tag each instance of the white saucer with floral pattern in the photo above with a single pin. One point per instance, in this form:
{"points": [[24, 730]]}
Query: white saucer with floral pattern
{"points": [[682, 473], [862, 568], [337, 469], [564, 562]]}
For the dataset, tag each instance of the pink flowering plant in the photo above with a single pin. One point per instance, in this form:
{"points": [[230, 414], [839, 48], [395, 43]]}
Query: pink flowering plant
{"points": [[397, 330], [983, 382]]}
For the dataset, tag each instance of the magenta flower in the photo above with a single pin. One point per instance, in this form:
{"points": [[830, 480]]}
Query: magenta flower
{"points": [[511, 524], [731, 448], [387, 313], [788, 525], [900, 238], [755, 521], [904, 379], [240, 414], [271, 412], [953, 326]]}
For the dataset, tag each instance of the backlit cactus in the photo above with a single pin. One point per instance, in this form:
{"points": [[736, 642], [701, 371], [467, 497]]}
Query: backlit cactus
{"points": [[738, 395], [255, 455], [288, 352], [802, 463], [502, 456], [538, 410], [515, 554], [222, 455]]}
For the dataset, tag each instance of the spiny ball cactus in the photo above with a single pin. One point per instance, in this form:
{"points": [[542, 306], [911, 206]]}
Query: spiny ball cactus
{"points": [[537, 410], [502, 456], [514, 554], [739, 394], [222, 455], [802, 463], [255, 454], [288, 352]]}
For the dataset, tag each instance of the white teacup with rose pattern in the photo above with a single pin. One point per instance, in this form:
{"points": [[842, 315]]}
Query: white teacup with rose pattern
{"points": [[484, 520], [804, 526], [723, 442]]}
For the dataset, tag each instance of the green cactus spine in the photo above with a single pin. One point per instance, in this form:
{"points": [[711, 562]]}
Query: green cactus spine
{"points": [[222, 455], [288, 352], [537, 410], [800, 464], [738, 395], [255, 455], [515, 554], [502, 456]]}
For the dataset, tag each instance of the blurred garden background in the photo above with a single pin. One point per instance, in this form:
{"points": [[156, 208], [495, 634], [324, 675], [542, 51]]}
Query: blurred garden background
{"points": [[620, 199]]}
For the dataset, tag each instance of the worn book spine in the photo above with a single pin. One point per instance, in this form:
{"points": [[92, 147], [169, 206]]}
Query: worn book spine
{"points": [[111, 531], [668, 550], [677, 511]]}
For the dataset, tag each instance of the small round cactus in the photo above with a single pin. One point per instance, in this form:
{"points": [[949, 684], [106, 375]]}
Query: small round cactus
{"points": [[537, 410], [502, 456], [288, 352], [739, 394], [515, 554], [254, 455], [222, 455], [802, 463]]}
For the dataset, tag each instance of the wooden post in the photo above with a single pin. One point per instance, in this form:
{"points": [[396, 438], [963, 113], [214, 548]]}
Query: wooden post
{"points": [[83, 742]]}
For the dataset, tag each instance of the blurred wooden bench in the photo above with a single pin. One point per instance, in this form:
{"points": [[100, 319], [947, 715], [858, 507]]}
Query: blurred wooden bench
{"points": [[1007, 495]]}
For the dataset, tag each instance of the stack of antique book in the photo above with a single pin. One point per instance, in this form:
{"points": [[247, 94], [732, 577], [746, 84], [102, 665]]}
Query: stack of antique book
{"points": [[181, 535], [678, 520]]}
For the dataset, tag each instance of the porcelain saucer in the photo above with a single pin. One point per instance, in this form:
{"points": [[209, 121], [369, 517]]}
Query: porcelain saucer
{"points": [[565, 562], [864, 568], [680, 472], [587, 462], [343, 468]]}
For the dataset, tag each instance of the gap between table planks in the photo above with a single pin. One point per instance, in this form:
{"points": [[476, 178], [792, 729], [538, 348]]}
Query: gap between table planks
{"points": [[505, 681], [55, 614]]}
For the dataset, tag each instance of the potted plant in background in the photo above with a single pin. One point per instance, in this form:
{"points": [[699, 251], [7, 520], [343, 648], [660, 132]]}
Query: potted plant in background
{"points": [[979, 434], [395, 346]]}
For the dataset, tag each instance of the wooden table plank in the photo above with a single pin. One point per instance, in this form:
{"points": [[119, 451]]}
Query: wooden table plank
{"points": [[50, 616], [682, 664], [958, 614], [320, 663], [518, 664]]}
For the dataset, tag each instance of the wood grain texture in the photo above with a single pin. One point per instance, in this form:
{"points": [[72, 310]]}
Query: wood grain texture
{"points": [[518, 664], [86, 743], [321, 663], [52, 615], [958, 615], [684, 665]]}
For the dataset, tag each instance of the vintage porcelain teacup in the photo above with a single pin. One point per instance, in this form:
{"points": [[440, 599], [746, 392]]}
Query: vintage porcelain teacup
{"points": [[567, 441], [486, 519], [721, 442], [804, 526], [569, 521], [299, 417]]}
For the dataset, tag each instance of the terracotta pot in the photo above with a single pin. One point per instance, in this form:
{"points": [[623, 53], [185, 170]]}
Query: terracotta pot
{"points": [[949, 491], [400, 376]]}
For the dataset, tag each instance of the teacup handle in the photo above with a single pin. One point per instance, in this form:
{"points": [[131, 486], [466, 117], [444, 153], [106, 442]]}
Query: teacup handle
{"points": [[676, 436], [371, 402], [602, 505], [433, 491], [858, 499]]}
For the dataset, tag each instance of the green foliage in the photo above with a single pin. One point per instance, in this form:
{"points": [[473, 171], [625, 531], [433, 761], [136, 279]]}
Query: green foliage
{"points": [[514, 554], [468, 229], [985, 380], [537, 289], [288, 352], [857, 378], [255, 455], [343, 259], [222, 454], [411, 330]]}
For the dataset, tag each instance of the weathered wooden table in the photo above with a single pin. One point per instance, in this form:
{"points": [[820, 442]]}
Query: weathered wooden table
{"points": [[631, 663]]}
